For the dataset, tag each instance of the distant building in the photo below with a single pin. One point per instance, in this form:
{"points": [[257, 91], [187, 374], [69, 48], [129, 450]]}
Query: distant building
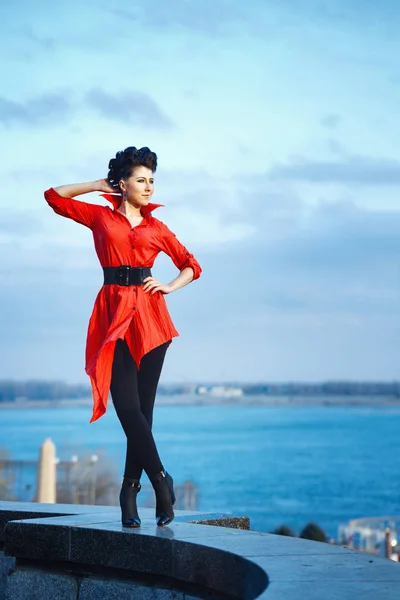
{"points": [[220, 391], [376, 535]]}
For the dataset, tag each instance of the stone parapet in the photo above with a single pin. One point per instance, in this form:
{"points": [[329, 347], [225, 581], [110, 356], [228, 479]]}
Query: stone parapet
{"points": [[88, 555]]}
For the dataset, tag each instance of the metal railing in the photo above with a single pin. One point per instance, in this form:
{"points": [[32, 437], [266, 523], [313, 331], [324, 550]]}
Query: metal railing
{"points": [[86, 480]]}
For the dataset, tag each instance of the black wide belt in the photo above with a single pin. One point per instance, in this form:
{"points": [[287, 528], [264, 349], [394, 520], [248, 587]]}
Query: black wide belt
{"points": [[126, 275]]}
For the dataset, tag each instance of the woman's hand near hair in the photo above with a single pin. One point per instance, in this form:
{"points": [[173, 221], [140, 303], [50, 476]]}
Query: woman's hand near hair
{"points": [[75, 189], [103, 185]]}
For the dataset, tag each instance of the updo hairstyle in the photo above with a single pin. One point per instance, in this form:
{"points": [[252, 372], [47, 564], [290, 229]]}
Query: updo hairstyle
{"points": [[125, 161]]}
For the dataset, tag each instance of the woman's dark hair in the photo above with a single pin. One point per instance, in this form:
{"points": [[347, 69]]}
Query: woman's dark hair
{"points": [[125, 161]]}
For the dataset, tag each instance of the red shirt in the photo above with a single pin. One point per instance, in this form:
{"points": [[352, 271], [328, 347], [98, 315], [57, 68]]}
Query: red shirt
{"points": [[125, 312]]}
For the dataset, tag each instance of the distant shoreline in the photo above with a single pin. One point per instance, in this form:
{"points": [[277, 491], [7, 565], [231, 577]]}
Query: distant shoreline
{"points": [[193, 400]]}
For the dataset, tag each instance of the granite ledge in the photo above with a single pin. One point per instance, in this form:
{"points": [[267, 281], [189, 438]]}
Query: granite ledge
{"points": [[150, 551], [240, 563], [12, 511]]}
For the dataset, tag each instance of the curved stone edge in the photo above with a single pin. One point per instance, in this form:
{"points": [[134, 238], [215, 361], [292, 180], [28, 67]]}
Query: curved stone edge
{"points": [[96, 530], [145, 553], [11, 511], [296, 568]]}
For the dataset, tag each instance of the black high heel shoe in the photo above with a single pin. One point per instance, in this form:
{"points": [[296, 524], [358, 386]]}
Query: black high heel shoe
{"points": [[127, 499], [165, 497]]}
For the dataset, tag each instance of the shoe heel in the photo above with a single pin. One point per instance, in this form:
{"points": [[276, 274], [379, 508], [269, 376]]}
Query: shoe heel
{"points": [[127, 500], [162, 484], [170, 483]]}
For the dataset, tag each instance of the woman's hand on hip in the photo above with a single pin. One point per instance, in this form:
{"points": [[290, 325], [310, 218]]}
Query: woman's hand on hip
{"points": [[153, 285]]}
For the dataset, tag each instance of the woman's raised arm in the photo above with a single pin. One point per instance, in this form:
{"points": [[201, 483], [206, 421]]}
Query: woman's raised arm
{"points": [[76, 189], [63, 204]]}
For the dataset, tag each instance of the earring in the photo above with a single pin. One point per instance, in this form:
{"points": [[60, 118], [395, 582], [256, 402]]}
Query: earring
{"points": [[124, 195]]}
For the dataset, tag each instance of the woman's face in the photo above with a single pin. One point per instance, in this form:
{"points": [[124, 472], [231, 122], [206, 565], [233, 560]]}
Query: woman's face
{"points": [[139, 186]]}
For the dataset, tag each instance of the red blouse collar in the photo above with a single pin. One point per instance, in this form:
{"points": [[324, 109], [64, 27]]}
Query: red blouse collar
{"points": [[116, 199]]}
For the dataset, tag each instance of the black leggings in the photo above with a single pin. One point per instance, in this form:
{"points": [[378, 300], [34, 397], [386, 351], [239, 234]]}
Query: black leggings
{"points": [[133, 392]]}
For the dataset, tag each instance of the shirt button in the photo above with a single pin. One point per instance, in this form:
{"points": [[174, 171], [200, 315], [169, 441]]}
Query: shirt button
{"points": [[134, 308], [133, 246]]}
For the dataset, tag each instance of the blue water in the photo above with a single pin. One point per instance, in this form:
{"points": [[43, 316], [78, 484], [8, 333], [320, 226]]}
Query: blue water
{"points": [[278, 465]]}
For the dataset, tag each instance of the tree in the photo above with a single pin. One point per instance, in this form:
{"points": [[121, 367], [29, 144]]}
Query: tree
{"points": [[6, 477], [284, 530], [312, 531]]}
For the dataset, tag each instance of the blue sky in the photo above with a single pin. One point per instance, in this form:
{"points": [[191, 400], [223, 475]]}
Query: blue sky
{"points": [[276, 129]]}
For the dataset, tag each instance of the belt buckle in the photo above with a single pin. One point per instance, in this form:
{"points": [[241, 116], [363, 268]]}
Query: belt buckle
{"points": [[123, 275]]}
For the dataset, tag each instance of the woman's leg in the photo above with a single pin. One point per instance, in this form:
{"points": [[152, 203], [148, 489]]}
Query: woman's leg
{"points": [[141, 449], [148, 378]]}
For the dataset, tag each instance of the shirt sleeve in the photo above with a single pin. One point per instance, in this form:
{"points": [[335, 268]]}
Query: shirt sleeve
{"points": [[81, 212], [180, 255]]}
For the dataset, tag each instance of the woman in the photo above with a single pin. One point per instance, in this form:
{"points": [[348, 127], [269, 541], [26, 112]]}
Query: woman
{"points": [[130, 328]]}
